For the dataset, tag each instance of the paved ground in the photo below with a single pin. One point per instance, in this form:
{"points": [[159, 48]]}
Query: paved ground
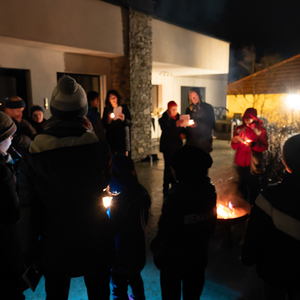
{"points": [[226, 277]]}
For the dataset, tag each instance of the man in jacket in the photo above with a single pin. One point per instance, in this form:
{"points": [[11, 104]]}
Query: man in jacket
{"points": [[272, 240], [25, 133], [200, 133], [65, 228], [170, 141]]}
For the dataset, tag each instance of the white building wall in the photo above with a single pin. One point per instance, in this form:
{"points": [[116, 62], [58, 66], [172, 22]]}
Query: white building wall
{"points": [[44, 64]]}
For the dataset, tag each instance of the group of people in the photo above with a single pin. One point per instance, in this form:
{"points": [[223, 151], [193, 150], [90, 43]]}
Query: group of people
{"points": [[53, 220], [188, 218]]}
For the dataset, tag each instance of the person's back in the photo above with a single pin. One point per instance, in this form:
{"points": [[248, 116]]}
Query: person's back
{"points": [[273, 235], [129, 213], [62, 177], [188, 220]]}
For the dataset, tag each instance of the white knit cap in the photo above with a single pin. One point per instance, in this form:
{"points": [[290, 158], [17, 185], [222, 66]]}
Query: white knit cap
{"points": [[68, 99]]}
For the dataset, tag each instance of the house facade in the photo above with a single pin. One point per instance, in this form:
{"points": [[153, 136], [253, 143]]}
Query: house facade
{"points": [[105, 46]]}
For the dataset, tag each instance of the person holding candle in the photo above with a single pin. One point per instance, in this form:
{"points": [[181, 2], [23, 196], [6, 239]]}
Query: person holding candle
{"points": [[129, 213], [199, 134], [272, 240], [170, 141], [65, 230], [116, 120], [249, 139], [186, 224]]}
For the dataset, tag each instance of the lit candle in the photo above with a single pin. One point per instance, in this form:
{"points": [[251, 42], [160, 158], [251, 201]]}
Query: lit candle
{"points": [[191, 122], [106, 201], [112, 115]]}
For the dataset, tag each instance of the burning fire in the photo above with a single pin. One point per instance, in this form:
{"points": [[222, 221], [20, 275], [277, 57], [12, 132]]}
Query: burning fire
{"points": [[225, 212]]}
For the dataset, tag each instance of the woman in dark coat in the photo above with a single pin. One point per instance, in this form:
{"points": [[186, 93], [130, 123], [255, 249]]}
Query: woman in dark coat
{"points": [[117, 127], [65, 228], [170, 141]]}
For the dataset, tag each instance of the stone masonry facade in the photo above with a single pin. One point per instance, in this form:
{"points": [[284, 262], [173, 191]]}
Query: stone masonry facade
{"points": [[140, 60], [131, 76]]}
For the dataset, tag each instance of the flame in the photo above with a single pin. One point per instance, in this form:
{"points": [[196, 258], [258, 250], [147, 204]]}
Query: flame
{"points": [[112, 115], [225, 212]]}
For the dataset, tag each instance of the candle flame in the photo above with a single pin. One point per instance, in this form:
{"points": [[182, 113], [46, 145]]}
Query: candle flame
{"points": [[107, 201], [112, 115], [191, 122]]}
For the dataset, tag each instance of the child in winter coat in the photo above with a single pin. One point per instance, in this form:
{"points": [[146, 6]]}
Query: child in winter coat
{"points": [[129, 214], [249, 141], [273, 235], [188, 220]]}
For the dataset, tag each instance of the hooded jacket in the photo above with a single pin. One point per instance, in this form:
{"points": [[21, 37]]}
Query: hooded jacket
{"points": [[254, 133], [64, 224]]}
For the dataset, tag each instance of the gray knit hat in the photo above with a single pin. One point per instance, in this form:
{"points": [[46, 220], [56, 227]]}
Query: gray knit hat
{"points": [[68, 99], [7, 126]]}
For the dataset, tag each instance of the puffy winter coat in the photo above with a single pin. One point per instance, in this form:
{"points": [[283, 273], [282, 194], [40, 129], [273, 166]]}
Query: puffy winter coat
{"points": [[64, 224], [254, 133], [273, 234]]}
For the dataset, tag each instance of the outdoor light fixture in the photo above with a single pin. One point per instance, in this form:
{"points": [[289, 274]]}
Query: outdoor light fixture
{"points": [[293, 101]]}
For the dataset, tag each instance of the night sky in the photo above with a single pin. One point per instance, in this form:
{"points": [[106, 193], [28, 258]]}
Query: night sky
{"points": [[271, 26]]}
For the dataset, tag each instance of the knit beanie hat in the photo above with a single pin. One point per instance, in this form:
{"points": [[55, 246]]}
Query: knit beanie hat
{"points": [[291, 150], [35, 108], [7, 126], [250, 113], [15, 102], [189, 161], [171, 104], [68, 99]]}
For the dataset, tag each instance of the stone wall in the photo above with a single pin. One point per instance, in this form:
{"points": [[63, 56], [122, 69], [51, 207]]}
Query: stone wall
{"points": [[140, 61]]}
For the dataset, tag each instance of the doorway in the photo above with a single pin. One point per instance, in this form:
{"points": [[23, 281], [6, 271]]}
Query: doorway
{"points": [[15, 82], [185, 96]]}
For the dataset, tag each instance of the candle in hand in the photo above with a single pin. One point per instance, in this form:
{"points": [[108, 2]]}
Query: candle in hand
{"points": [[112, 115]]}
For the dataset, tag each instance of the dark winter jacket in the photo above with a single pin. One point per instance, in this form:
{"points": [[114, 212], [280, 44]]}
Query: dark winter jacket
{"points": [[257, 135], [10, 257], [273, 234], [188, 220], [115, 131], [94, 116], [201, 135], [64, 224], [129, 214], [170, 139], [39, 127], [23, 136]]}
